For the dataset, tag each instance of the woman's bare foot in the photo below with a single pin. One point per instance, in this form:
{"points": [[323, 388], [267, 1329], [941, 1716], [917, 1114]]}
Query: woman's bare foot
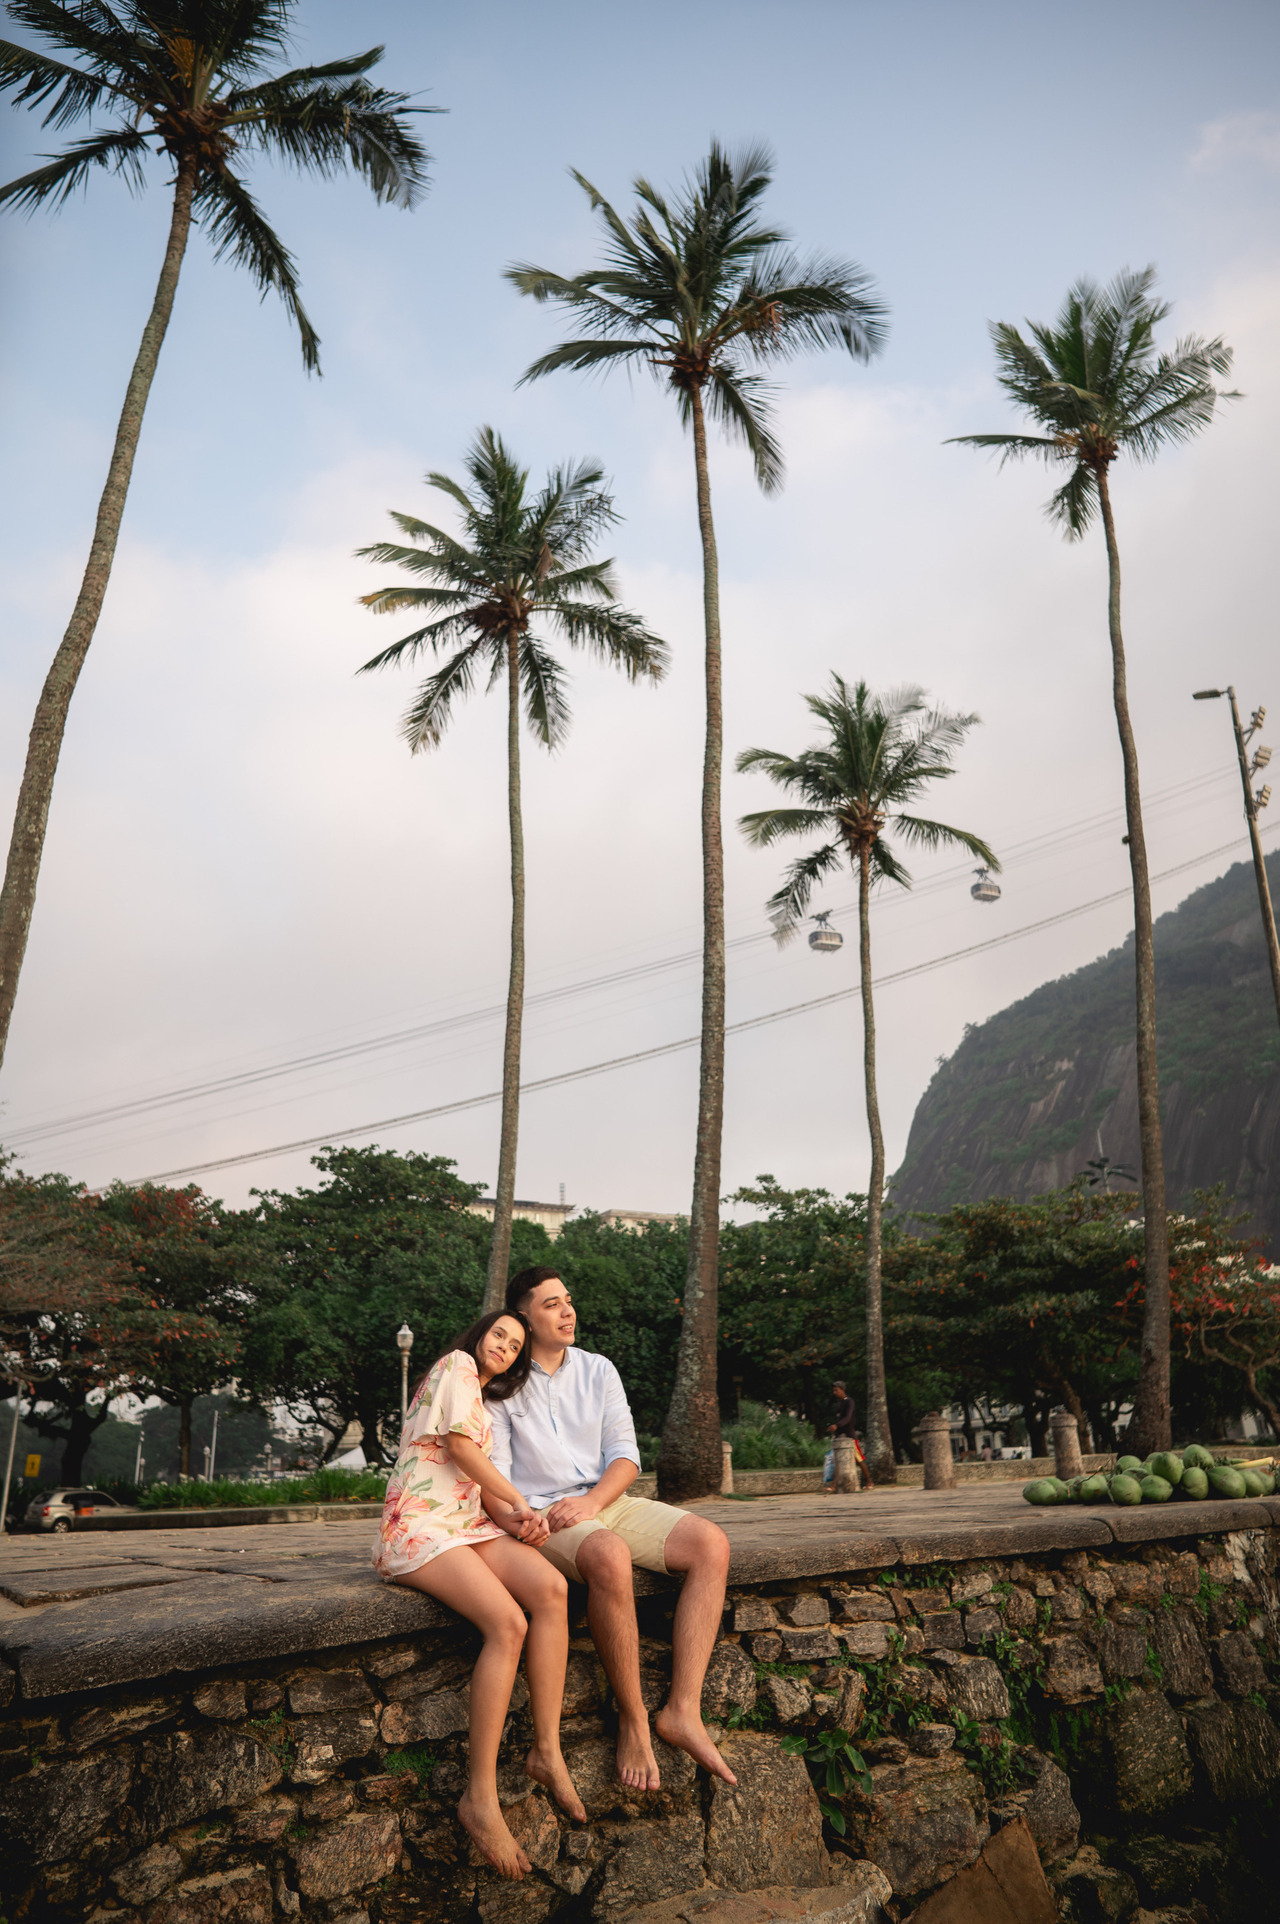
{"points": [[485, 1825], [687, 1733], [553, 1774], [637, 1765]]}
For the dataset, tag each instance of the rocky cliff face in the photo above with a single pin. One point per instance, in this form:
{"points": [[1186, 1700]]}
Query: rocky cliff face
{"points": [[1031, 1096]]}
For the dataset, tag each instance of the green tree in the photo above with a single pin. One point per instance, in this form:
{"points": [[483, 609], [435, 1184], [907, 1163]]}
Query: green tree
{"points": [[627, 1285], [878, 755], [188, 81], [193, 1259], [1098, 387], [384, 1240], [699, 291], [522, 558]]}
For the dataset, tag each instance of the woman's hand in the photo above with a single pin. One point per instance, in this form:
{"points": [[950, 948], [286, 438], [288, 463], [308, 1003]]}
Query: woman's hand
{"points": [[526, 1525]]}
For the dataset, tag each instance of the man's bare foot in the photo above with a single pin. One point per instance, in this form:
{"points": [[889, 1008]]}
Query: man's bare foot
{"points": [[637, 1765], [553, 1774], [687, 1733], [484, 1823]]}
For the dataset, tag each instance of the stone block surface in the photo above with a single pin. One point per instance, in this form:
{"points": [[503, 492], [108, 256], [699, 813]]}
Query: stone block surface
{"points": [[223, 1701], [649, 1859], [1238, 1664], [323, 1743], [808, 1646], [352, 1856], [55, 1808], [805, 1610], [1071, 1670], [1142, 1764], [1179, 1637], [926, 1819], [1122, 1651], [239, 1896], [190, 1773], [425, 1719], [868, 1642], [768, 1829], [1236, 1748], [730, 1683], [321, 1690], [975, 1686]]}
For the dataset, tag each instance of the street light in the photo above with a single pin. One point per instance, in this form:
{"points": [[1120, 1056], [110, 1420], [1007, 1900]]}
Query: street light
{"points": [[1252, 803], [404, 1338], [29, 1378]]}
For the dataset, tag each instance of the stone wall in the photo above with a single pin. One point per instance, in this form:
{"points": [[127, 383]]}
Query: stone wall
{"points": [[1120, 1700]]}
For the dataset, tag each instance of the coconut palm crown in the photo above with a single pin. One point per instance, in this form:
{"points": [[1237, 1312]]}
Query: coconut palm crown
{"points": [[187, 80], [520, 561], [1096, 382], [701, 291], [878, 753]]}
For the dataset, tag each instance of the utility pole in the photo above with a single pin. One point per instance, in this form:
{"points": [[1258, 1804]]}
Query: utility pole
{"points": [[1252, 803]]}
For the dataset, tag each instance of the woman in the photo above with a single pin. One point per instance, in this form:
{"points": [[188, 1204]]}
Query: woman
{"points": [[436, 1537]]}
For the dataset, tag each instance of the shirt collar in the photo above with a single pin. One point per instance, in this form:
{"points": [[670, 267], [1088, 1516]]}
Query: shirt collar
{"points": [[534, 1364]]}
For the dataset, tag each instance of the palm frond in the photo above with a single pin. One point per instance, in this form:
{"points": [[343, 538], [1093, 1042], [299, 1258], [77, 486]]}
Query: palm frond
{"points": [[920, 833], [431, 710], [120, 151], [542, 683], [436, 634], [91, 29], [323, 129], [786, 909], [235, 225], [768, 825], [613, 634], [589, 356], [36, 77], [740, 402]]}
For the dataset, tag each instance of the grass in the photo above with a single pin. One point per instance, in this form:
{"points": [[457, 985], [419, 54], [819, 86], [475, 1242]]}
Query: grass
{"points": [[767, 1439], [224, 1492]]}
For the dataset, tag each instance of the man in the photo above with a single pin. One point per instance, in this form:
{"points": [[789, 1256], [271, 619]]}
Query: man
{"points": [[846, 1425], [566, 1440]]}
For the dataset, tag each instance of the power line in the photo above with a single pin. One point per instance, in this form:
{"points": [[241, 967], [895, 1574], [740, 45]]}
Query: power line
{"points": [[25, 1138], [685, 1042]]}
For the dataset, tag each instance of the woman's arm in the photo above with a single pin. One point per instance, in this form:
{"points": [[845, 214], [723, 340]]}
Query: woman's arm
{"points": [[473, 1463]]}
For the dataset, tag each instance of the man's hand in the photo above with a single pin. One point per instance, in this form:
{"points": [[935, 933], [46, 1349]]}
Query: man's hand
{"points": [[573, 1509], [534, 1531]]}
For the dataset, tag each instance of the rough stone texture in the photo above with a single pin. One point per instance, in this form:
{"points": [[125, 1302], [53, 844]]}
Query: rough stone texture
{"points": [[144, 1877], [979, 1584], [1180, 1642], [767, 1830], [846, 1713], [788, 1697], [868, 1642], [1005, 1886], [765, 1646], [265, 1820], [982, 1623], [862, 1606], [730, 1683], [1142, 1764], [925, 1820], [652, 1858], [224, 1701], [975, 1686], [240, 1896], [921, 1686], [1236, 1748], [930, 1740], [192, 1772], [805, 1610], [46, 1813], [754, 1613], [808, 1646], [106, 1723], [425, 1719], [1238, 1664], [584, 1683], [325, 1742], [362, 1849], [319, 1690], [944, 1631], [1122, 1651], [1091, 1892], [859, 1891], [1166, 1869], [1047, 1806], [1071, 1670]]}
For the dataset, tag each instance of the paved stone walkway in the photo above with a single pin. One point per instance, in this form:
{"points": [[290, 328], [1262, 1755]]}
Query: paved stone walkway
{"points": [[93, 1609]]}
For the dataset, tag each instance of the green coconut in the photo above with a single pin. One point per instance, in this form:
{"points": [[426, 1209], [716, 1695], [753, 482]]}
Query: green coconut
{"points": [[1155, 1489], [1253, 1483], [1125, 1489], [1093, 1489], [1168, 1464], [1040, 1492], [1194, 1484], [1196, 1457], [1225, 1482], [1126, 1465]]}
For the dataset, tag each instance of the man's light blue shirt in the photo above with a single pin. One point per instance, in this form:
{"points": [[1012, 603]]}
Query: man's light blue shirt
{"points": [[558, 1435]]}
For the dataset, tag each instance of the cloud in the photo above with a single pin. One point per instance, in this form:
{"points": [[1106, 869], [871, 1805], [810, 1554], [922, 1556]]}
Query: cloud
{"points": [[1253, 138]]}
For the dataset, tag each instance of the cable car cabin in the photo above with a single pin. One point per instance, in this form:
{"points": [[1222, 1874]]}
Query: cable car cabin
{"points": [[824, 938], [983, 890]]}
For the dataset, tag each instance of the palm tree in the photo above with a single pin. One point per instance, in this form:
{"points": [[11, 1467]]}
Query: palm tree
{"points": [[700, 292], [186, 79], [519, 558], [1097, 386], [878, 755]]}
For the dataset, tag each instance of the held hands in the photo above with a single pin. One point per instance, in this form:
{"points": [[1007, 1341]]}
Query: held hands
{"points": [[526, 1525], [572, 1509]]}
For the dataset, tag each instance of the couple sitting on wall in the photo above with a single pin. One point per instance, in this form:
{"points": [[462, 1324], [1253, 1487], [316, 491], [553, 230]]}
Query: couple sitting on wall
{"points": [[514, 1408]]}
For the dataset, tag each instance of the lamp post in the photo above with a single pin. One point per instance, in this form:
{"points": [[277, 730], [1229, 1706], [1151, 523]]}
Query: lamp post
{"points": [[137, 1467], [404, 1339], [1252, 803], [213, 1447], [30, 1380]]}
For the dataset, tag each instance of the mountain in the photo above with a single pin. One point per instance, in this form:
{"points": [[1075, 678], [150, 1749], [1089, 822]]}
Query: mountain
{"points": [[1035, 1092]]}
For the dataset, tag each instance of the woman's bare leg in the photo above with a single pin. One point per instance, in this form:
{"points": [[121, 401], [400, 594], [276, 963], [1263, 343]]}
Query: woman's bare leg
{"points": [[461, 1578], [543, 1592]]}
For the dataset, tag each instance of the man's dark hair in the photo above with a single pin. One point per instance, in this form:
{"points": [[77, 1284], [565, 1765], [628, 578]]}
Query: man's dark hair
{"points": [[523, 1284]]}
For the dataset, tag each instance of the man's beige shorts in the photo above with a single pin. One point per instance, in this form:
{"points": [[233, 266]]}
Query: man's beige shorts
{"points": [[643, 1525]]}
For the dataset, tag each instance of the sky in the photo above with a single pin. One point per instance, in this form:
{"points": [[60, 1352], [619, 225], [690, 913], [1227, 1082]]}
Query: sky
{"points": [[245, 866]]}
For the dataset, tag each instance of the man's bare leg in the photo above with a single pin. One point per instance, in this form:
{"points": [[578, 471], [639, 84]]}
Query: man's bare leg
{"points": [[604, 1563], [701, 1550]]}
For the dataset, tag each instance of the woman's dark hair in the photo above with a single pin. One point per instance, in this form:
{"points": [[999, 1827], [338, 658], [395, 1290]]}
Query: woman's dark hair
{"points": [[498, 1388]]}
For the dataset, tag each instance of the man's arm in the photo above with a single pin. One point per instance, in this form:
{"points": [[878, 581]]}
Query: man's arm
{"points": [[619, 1453]]}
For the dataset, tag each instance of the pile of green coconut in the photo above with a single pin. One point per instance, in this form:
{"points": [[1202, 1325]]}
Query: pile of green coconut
{"points": [[1194, 1472]]}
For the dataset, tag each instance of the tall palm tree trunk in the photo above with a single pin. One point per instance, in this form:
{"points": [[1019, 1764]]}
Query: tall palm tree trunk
{"points": [[504, 1194], [1152, 1420], [879, 1436], [689, 1463], [26, 846]]}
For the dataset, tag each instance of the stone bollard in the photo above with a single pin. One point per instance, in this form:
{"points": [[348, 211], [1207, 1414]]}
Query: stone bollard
{"points": [[939, 1464], [726, 1469], [1067, 1461], [847, 1475]]}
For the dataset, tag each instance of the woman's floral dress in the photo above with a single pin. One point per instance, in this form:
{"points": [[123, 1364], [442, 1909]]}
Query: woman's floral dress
{"points": [[431, 1506]]}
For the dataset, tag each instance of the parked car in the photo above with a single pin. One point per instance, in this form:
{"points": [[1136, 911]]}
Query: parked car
{"points": [[58, 1509]]}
